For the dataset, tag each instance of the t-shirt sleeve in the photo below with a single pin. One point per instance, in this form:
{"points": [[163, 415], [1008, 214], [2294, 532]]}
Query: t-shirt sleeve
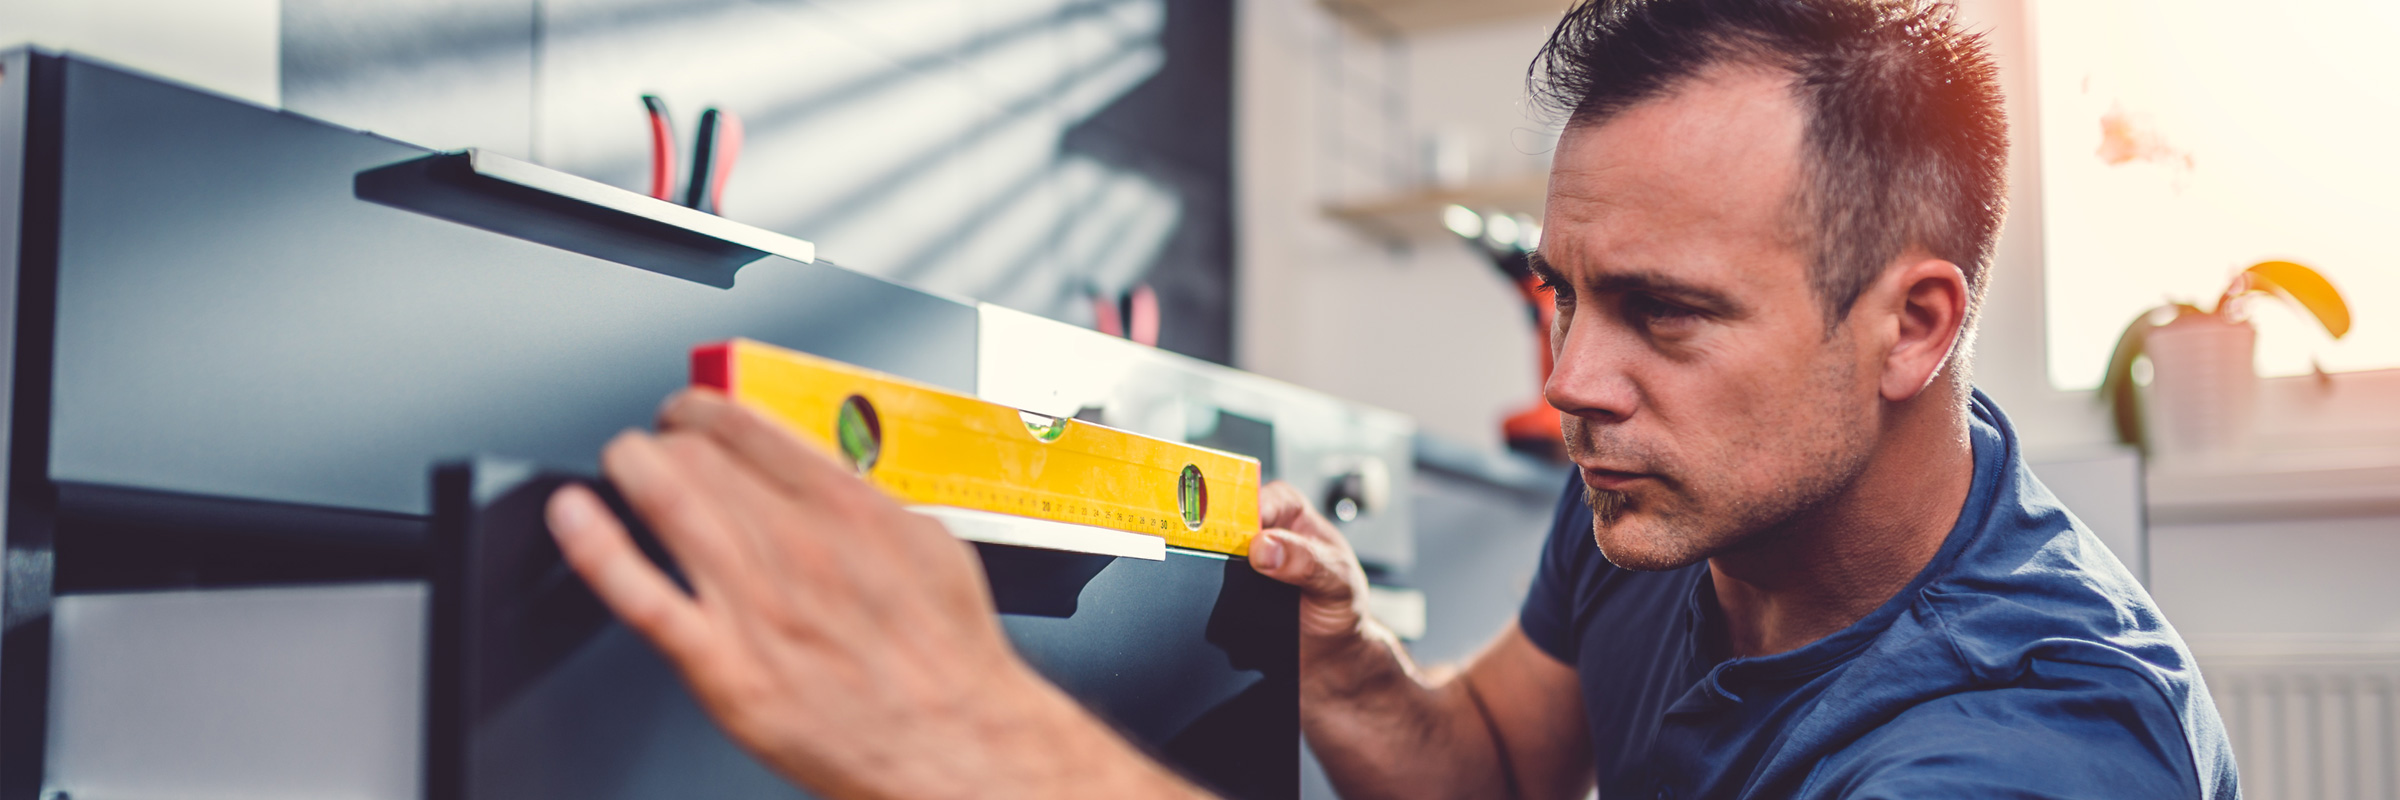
{"points": [[2101, 733], [1548, 617]]}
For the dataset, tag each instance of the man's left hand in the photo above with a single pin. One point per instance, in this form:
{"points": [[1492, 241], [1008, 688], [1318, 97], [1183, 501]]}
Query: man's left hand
{"points": [[848, 643]]}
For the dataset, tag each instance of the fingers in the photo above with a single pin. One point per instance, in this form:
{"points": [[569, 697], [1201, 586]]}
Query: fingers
{"points": [[1321, 569], [1281, 506], [1300, 547], [791, 464], [597, 547], [684, 514]]}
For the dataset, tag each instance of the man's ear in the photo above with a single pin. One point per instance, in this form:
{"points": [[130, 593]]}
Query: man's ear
{"points": [[1931, 309]]}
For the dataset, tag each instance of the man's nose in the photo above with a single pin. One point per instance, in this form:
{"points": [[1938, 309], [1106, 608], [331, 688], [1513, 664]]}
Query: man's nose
{"points": [[1591, 377]]}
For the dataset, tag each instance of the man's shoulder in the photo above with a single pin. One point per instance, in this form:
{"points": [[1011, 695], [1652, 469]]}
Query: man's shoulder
{"points": [[2036, 662], [2066, 729], [2036, 585], [2033, 661]]}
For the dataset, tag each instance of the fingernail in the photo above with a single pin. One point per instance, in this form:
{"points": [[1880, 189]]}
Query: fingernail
{"points": [[1266, 552], [571, 512]]}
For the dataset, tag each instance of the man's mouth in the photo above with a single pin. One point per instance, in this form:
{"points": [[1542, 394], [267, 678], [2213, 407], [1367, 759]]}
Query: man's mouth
{"points": [[1610, 480]]}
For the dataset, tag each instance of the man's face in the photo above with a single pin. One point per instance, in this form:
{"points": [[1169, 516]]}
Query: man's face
{"points": [[1704, 401]]}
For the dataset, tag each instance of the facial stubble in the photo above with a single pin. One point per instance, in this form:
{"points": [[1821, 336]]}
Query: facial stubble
{"points": [[1717, 520], [1607, 505]]}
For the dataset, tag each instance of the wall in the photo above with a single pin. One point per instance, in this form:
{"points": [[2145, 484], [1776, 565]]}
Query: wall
{"points": [[1450, 344], [228, 46], [1430, 330], [1030, 153]]}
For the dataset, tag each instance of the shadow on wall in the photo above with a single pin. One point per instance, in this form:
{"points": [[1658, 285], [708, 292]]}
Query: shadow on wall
{"points": [[1031, 153]]}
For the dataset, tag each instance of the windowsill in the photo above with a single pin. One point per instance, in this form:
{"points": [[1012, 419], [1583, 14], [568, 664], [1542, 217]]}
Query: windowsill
{"points": [[2282, 651], [2323, 449], [2273, 486]]}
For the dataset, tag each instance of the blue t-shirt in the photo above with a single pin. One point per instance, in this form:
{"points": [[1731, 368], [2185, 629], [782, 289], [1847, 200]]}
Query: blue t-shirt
{"points": [[2022, 662]]}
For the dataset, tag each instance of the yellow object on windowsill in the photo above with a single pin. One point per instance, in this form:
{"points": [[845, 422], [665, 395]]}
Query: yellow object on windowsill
{"points": [[2293, 283]]}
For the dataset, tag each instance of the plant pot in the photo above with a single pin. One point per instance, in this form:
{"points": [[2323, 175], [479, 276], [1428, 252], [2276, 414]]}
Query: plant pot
{"points": [[2203, 394]]}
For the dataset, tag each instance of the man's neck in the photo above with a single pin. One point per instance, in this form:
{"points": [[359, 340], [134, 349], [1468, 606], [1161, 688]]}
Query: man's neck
{"points": [[1833, 565]]}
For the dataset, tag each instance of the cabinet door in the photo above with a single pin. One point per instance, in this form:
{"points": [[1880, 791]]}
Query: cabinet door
{"points": [[535, 692]]}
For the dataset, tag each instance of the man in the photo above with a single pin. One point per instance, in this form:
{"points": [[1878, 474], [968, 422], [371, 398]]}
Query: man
{"points": [[1805, 558]]}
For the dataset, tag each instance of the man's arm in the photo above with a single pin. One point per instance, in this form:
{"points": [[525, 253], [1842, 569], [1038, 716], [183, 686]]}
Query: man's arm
{"points": [[1510, 724], [847, 643]]}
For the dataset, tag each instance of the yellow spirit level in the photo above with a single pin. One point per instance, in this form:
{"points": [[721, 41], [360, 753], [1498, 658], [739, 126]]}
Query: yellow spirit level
{"points": [[983, 468]]}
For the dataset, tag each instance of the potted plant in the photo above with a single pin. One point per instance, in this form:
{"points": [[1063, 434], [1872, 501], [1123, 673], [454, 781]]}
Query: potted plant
{"points": [[2203, 388]]}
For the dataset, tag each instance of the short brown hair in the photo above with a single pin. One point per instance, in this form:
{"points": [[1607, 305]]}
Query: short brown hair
{"points": [[1907, 142]]}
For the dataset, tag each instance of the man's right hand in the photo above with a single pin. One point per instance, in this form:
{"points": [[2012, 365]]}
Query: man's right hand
{"points": [[1302, 548], [1509, 724]]}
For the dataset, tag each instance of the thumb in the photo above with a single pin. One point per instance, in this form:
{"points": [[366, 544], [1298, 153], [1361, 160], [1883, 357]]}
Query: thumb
{"points": [[1301, 562]]}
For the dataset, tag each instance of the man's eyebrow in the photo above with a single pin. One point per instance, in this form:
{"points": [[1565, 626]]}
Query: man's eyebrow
{"points": [[1701, 297]]}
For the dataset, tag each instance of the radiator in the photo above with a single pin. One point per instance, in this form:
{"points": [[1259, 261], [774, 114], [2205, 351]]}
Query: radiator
{"points": [[2313, 720]]}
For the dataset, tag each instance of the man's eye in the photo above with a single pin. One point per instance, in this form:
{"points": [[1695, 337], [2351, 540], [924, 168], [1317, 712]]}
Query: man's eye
{"points": [[1560, 295], [1661, 314]]}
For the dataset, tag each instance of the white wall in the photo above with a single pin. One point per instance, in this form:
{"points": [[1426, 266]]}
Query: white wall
{"points": [[230, 46], [1469, 83], [2324, 579], [1431, 331]]}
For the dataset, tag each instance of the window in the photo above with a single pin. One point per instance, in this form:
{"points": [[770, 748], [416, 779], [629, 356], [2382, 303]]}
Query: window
{"points": [[2185, 139]]}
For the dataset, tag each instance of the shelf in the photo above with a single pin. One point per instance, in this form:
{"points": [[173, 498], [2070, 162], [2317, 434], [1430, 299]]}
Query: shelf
{"points": [[1415, 16], [1417, 215], [503, 195]]}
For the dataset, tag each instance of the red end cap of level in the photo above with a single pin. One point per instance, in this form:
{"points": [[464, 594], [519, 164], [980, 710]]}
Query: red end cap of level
{"points": [[712, 366]]}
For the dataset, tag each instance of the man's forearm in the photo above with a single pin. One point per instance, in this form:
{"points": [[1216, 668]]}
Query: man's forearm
{"points": [[1384, 729], [1021, 738], [1052, 748]]}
